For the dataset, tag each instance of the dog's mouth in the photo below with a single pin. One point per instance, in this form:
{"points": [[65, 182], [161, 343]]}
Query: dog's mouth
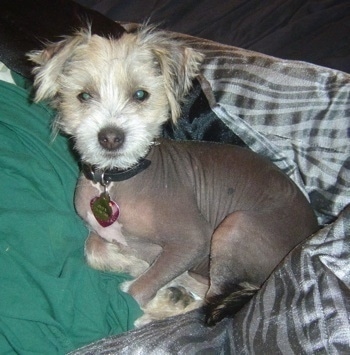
{"points": [[122, 157], [111, 153]]}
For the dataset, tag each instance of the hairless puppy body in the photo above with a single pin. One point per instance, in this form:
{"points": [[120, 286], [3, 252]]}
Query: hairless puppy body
{"points": [[223, 213]]}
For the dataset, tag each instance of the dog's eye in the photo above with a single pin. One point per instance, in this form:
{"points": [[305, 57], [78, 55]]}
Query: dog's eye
{"points": [[84, 96], [141, 95]]}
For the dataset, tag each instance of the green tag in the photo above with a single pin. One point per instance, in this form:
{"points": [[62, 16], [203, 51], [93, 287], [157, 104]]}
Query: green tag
{"points": [[105, 211], [101, 208]]}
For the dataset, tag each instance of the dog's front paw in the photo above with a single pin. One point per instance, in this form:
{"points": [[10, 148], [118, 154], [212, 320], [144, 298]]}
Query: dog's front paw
{"points": [[168, 302], [178, 296]]}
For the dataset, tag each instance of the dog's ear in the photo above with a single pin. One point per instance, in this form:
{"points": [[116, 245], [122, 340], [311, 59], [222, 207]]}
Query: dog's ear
{"points": [[178, 62], [50, 63]]}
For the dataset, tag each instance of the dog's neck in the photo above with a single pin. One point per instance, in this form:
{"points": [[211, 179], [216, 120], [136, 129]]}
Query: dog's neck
{"points": [[105, 176]]}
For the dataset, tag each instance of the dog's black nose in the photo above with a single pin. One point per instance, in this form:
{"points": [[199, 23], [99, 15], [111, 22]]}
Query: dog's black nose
{"points": [[111, 138]]}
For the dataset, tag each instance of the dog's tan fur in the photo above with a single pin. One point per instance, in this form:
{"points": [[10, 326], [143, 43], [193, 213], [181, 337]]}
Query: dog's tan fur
{"points": [[111, 71]]}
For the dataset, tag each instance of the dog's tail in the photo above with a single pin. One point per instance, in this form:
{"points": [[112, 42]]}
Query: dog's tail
{"points": [[228, 303]]}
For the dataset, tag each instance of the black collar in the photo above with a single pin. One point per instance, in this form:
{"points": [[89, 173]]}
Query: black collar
{"points": [[104, 177]]}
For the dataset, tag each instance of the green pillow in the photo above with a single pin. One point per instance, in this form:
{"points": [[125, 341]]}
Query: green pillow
{"points": [[50, 301]]}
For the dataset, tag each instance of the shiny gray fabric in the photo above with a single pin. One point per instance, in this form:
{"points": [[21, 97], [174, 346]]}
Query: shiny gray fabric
{"points": [[298, 115]]}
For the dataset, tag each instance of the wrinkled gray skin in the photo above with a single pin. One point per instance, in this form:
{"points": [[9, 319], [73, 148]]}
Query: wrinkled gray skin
{"points": [[201, 201]]}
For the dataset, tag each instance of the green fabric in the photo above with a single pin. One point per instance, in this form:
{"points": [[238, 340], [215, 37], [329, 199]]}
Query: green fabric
{"points": [[50, 300]]}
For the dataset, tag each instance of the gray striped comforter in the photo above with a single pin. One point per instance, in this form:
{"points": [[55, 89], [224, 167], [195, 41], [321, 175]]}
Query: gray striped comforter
{"points": [[298, 115]]}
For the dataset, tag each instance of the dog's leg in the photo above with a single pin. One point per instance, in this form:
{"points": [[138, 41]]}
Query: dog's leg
{"points": [[245, 249], [103, 255], [181, 295], [174, 260]]}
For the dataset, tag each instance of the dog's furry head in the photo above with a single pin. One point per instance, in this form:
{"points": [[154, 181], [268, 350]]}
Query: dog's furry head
{"points": [[113, 95]]}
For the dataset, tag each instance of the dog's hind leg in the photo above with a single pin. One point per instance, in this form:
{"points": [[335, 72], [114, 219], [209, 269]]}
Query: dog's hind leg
{"points": [[245, 248]]}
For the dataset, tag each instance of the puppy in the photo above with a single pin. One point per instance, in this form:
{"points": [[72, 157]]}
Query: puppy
{"points": [[194, 223]]}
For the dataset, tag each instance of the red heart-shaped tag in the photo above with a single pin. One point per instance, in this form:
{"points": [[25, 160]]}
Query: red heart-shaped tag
{"points": [[105, 210]]}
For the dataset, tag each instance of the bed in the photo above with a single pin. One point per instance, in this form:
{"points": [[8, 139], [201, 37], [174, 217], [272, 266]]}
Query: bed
{"points": [[276, 79]]}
